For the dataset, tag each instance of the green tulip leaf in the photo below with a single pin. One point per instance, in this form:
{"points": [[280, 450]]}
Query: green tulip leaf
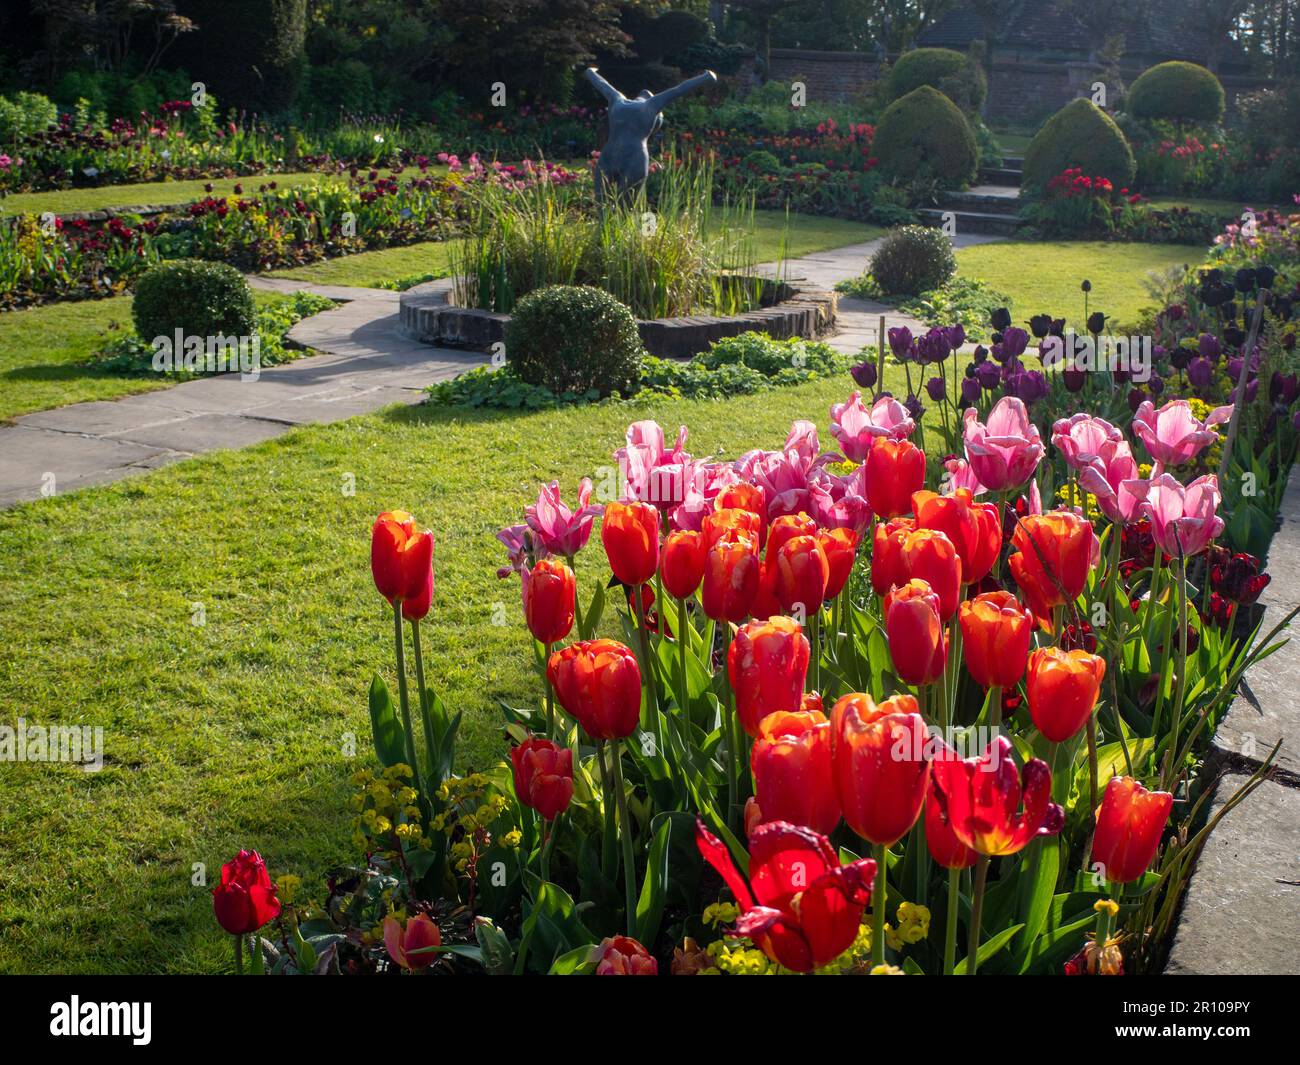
{"points": [[390, 744]]}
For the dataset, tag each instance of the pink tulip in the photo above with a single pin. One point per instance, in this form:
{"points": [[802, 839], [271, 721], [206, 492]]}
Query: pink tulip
{"points": [[1081, 437], [703, 483], [561, 531], [857, 428], [958, 474], [653, 474], [1183, 521], [1173, 434], [803, 441], [516, 540], [837, 503], [1004, 453]]}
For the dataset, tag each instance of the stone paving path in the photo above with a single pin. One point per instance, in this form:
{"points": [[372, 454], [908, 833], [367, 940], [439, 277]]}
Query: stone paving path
{"points": [[366, 363]]}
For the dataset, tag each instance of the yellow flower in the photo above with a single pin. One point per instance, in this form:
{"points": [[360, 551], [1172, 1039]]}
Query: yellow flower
{"points": [[887, 970], [1107, 906], [721, 913], [512, 839]]}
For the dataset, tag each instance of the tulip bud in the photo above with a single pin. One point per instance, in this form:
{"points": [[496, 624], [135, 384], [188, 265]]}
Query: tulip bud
{"points": [[1062, 687], [745, 496], [1130, 822], [401, 562], [894, 469], [624, 956], [550, 595], [404, 942], [598, 682], [630, 533], [245, 899], [543, 776], [682, 563], [974, 528], [915, 632], [731, 574], [930, 556], [767, 663], [801, 575]]}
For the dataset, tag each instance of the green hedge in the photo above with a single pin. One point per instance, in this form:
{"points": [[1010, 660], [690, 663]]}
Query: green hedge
{"points": [[1179, 92], [952, 73], [925, 134], [1079, 134]]}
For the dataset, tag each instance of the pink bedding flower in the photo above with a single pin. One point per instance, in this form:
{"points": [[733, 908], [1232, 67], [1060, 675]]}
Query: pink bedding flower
{"points": [[1173, 434], [1081, 437], [560, 530], [518, 539], [856, 428], [1004, 452], [1183, 520], [645, 454], [958, 474], [1104, 461]]}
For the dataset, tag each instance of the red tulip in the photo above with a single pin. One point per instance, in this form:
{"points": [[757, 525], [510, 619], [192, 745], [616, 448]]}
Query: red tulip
{"points": [[401, 562], [543, 773], [804, 908], [981, 798], [682, 563], [995, 632], [731, 575], [730, 525], [931, 556], [1055, 553], [1062, 687], [745, 496], [801, 575], [887, 567], [975, 529], [767, 664], [893, 470], [917, 643], [245, 899], [1130, 822], [840, 546], [403, 942], [599, 683], [630, 533], [880, 758], [791, 762], [944, 846], [550, 594], [624, 956], [784, 529]]}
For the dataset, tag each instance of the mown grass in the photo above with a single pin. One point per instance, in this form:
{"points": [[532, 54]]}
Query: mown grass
{"points": [[236, 733], [164, 193], [1046, 277]]}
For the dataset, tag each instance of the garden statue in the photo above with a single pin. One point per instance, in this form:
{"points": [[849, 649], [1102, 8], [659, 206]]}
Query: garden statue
{"points": [[625, 159]]}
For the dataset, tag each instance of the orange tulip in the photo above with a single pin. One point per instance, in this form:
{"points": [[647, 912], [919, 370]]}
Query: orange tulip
{"points": [[401, 562], [930, 556], [630, 533], [975, 529], [915, 631], [1062, 690], [995, 632], [880, 760], [767, 663], [731, 572], [812, 701], [784, 529], [887, 567], [745, 496], [894, 470], [791, 762], [840, 546], [1130, 822], [599, 684], [730, 524], [682, 563], [549, 594], [1054, 553], [801, 575]]}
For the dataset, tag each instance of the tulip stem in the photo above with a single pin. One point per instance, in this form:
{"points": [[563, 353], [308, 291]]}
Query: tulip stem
{"points": [[648, 675], [976, 910], [1092, 764], [629, 859], [549, 830], [879, 901], [239, 955], [995, 711], [402, 697], [550, 693], [814, 634], [1180, 692], [950, 926], [682, 686], [609, 845]]}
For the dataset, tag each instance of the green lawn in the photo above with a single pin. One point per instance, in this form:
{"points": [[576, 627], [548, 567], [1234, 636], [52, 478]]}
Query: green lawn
{"points": [[1223, 207], [1045, 278], [233, 734], [146, 192]]}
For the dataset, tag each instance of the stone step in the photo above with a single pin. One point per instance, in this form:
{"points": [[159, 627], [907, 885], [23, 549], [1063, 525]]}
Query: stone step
{"points": [[981, 202], [1013, 162], [1000, 175], [1001, 225]]}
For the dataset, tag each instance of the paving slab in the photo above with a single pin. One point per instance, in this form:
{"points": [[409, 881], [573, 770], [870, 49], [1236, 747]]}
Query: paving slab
{"points": [[206, 432], [1241, 915], [35, 462]]}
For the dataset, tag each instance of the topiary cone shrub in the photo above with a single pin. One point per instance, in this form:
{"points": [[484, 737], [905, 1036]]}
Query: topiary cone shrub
{"points": [[950, 72], [574, 338], [202, 299], [925, 134], [1178, 92], [1079, 134], [912, 260]]}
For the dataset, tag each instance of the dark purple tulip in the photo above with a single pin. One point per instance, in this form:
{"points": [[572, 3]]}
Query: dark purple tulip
{"points": [[1200, 373], [1174, 312], [864, 374], [970, 392], [1295, 421], [1033, 386], [1040, 325], [1014, 342], [956, 336], [1122, 377], [1001, 318], [988, 374], [1283, 388], [1252, 390], [1156, 385], [1181, 358], [936, 388], [980, 354], [1208, 345], [1135, 398], [1073, 378], [900, 342], [1234, 367], [914, 408]]}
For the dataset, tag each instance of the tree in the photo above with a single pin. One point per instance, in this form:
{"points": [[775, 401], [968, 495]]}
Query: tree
{"points": [[759, 14]]}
